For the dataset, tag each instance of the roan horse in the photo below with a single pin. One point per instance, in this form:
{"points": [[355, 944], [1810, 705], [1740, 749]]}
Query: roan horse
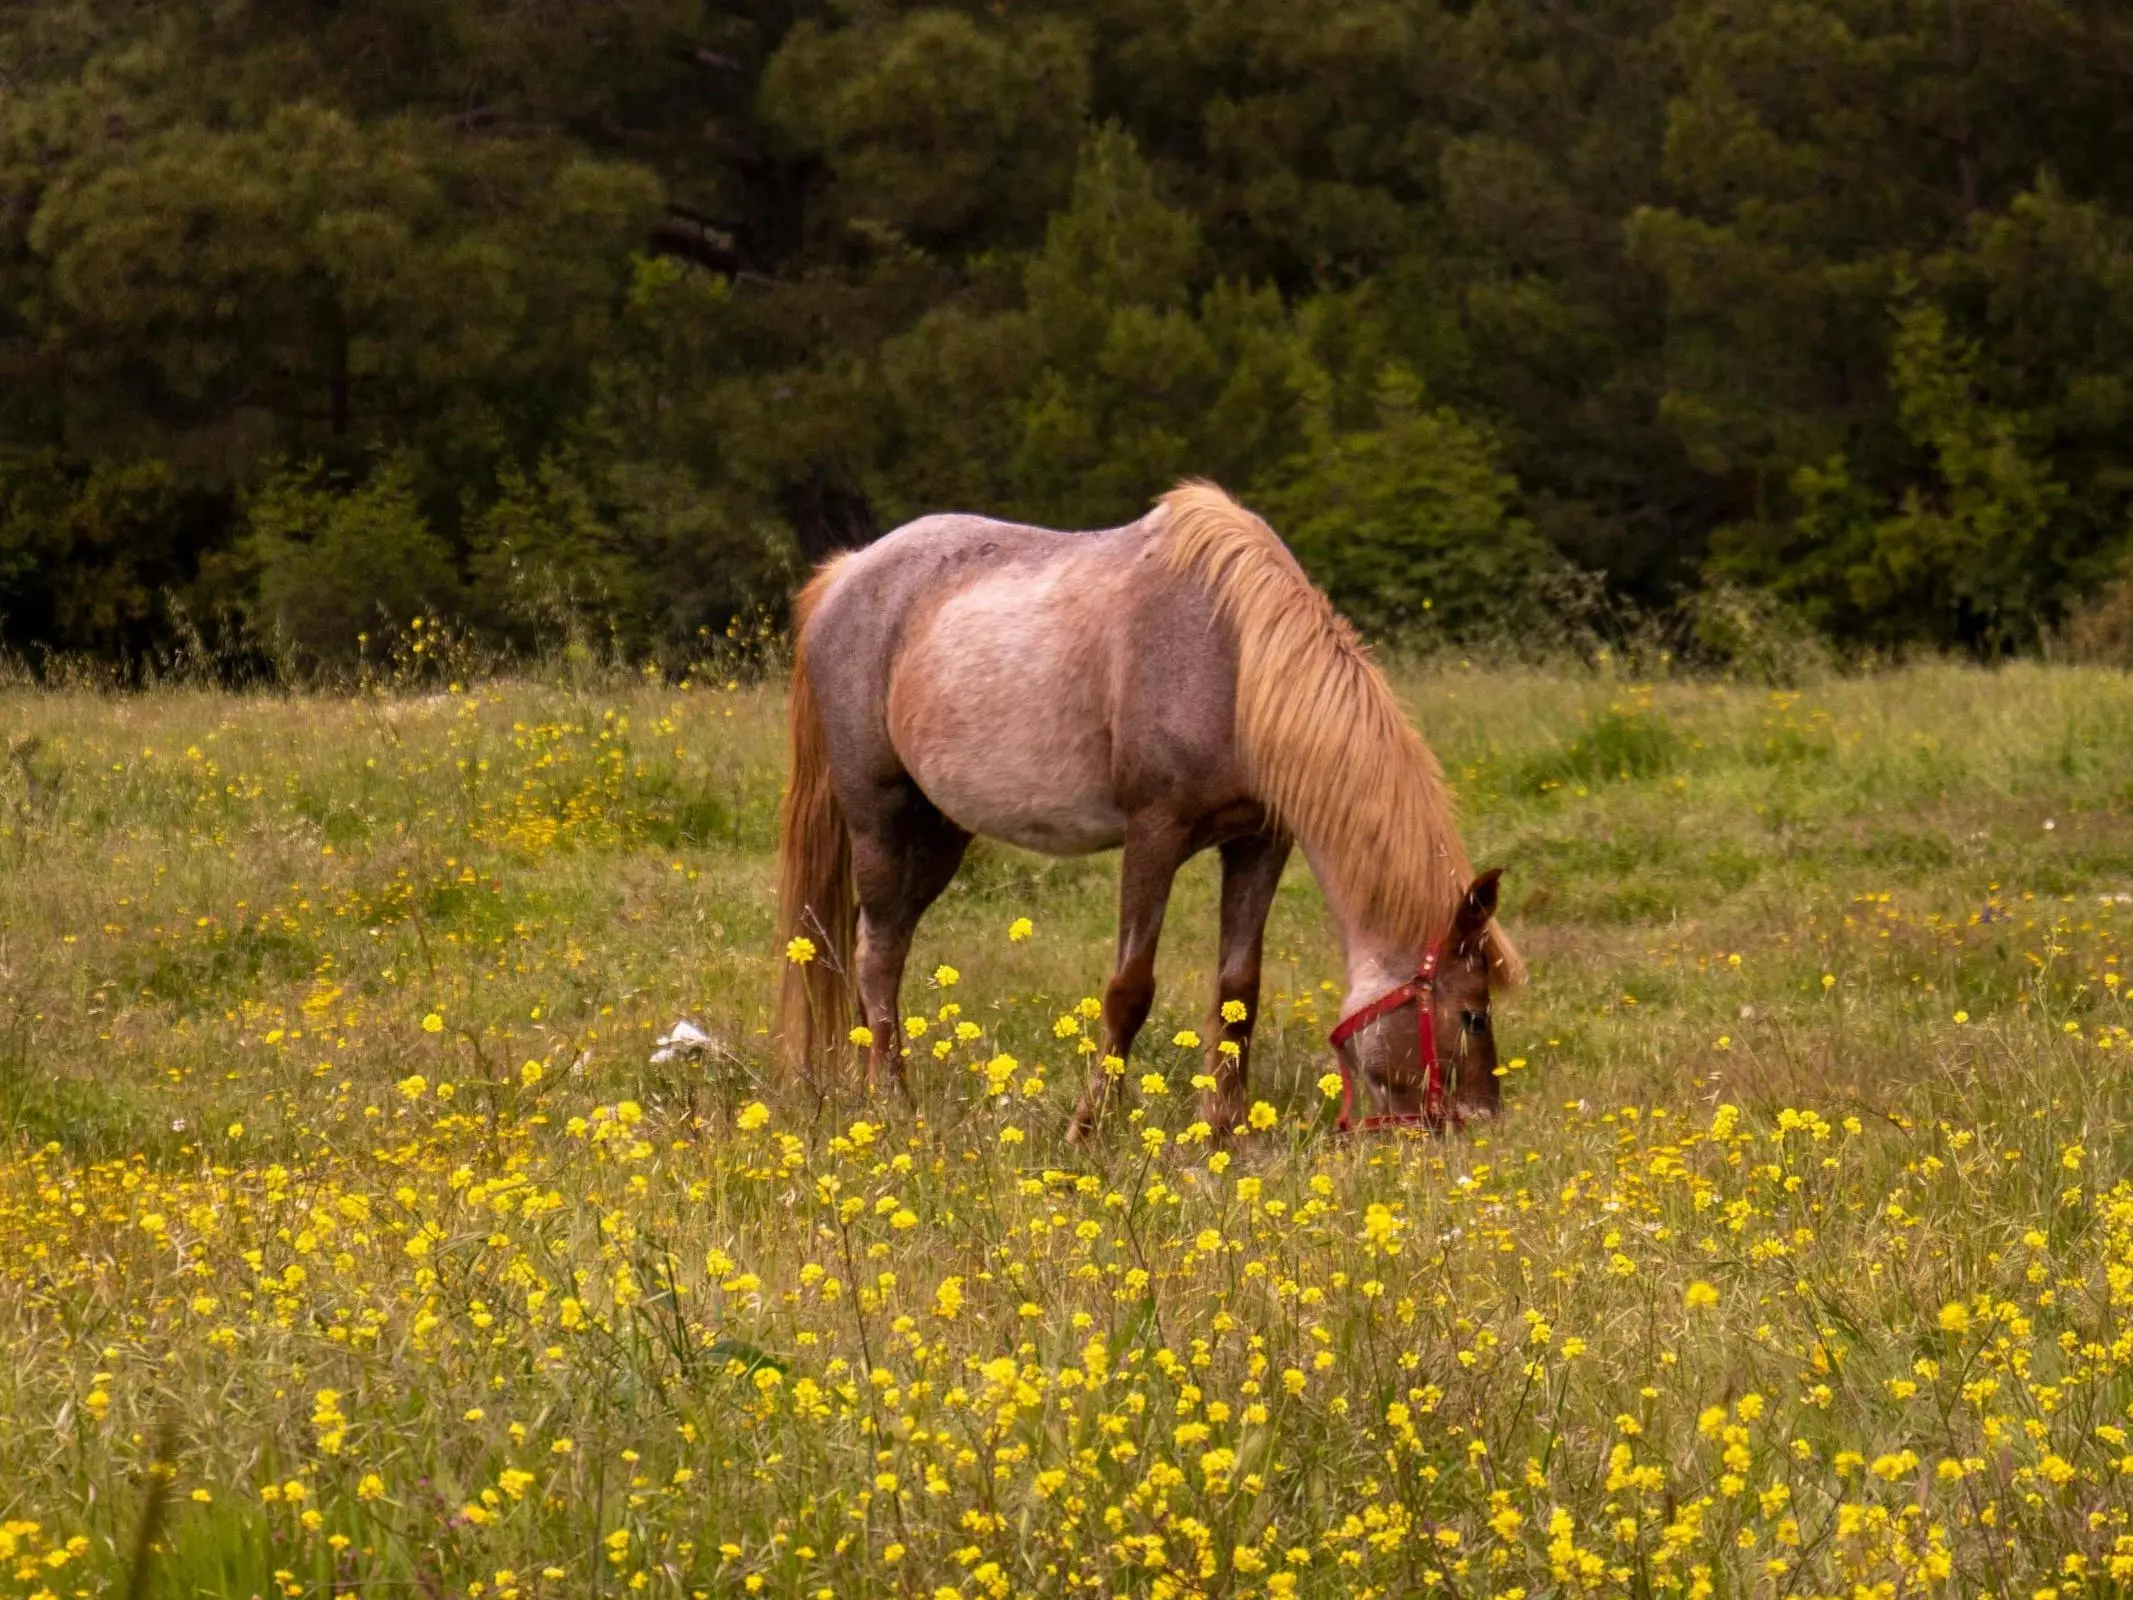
{"points": [[1171, 686]]}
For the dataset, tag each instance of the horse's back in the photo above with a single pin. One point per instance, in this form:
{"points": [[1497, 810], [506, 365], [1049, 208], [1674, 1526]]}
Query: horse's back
{"points": [[889, 592]]}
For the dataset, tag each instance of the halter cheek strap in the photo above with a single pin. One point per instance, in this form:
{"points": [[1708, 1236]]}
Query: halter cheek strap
{"points": [[1418, 991]]}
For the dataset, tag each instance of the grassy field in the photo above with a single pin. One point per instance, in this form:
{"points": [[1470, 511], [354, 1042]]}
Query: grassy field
{"points": [[351, 1243]]}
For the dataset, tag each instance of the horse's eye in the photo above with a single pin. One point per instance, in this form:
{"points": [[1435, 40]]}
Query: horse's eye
{"points": [[1476, 1021]]}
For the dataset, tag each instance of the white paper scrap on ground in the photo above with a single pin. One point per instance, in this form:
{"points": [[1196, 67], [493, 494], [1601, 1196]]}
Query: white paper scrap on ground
{"points": [[685, 1038]]}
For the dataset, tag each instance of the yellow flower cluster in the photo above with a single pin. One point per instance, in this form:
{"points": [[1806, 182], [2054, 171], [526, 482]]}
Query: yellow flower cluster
{"points": [[1306, 1377]]}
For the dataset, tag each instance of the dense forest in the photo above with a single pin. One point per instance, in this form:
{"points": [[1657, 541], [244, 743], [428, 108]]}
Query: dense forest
{"points": [[320, 312]]}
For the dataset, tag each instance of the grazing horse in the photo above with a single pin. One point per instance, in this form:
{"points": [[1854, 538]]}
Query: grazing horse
{"points": [[1171, 686]]}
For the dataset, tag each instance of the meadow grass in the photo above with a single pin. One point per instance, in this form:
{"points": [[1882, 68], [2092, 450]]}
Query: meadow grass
{"points": [[352, 1243]]}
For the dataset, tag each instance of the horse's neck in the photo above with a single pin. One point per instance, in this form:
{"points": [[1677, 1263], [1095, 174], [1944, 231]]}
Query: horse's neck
{"points": [[1376, 964]]}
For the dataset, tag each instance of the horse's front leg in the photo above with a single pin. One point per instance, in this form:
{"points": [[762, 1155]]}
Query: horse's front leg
{"points": [[904, 852], [1156, 846], [1251, 872]]}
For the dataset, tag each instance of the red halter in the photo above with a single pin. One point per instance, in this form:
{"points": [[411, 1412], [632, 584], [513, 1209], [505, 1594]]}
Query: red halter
{"points": [[1418, 991]]}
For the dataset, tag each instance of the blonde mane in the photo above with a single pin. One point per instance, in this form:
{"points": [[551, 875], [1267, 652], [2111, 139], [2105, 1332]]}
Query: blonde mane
{"points": [[1323, 739]]}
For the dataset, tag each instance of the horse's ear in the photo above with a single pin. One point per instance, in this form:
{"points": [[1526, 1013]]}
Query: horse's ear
{"points": [[1476, 909]]}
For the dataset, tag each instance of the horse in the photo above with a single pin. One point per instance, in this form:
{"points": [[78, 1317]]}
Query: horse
{"points": [[1167, 687]]}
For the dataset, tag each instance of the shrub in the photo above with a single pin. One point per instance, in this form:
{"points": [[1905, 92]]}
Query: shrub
{"points": [[335, 562], [92, 557], [1408, 525], [2100, 629], [1746, 633]]}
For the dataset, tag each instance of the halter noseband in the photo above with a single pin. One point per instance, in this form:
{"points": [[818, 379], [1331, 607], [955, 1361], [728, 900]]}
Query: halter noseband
{"points": [[1418, 991]]}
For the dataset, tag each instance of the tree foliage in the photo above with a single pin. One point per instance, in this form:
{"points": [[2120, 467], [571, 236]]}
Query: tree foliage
{"points": [[630, 311]]}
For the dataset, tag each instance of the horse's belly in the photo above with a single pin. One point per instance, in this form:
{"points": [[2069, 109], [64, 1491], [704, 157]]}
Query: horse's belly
{"points": [[1000, 711], [1052, 822]]}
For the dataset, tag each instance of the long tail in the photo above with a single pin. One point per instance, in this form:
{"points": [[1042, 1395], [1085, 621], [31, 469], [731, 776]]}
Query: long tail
{"points": [[816, 901]]}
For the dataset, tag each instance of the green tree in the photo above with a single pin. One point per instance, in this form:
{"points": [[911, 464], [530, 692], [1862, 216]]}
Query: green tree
{"points": [[1977, 553], [1107, 373], [933, 124], [1829, 160], [666, 299]]}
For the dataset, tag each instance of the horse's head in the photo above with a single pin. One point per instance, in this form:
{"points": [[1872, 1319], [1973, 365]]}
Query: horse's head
{"points": [[1383, 1041], [1466, 1042]]}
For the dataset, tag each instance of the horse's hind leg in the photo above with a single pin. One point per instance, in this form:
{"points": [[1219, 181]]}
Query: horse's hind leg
{"points": [[1156, 846], [904, 852], [1251, 872]]}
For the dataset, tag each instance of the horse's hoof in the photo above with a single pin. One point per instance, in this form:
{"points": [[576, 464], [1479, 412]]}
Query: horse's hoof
{"points": [[1083, 1126], [1225, 1124]]}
